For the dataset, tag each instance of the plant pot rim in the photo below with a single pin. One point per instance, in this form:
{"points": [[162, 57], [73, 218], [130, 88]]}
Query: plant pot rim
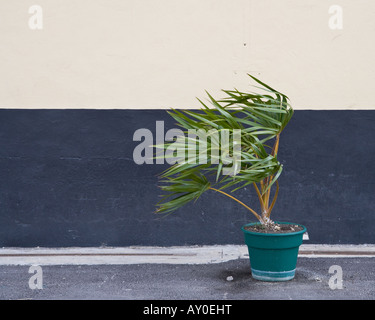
{"points": [[284, 234]]}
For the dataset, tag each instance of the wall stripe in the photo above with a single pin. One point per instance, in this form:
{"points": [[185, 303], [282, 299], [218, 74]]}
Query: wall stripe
{"points": [[67, 178], [115, 54]]}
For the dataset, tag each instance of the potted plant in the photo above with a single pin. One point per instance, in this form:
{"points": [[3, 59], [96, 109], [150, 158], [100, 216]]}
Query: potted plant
{"points": [[225, 147]]}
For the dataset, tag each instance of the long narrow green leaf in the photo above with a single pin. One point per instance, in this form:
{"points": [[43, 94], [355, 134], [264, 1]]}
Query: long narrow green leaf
{"points": [[260, 116]]}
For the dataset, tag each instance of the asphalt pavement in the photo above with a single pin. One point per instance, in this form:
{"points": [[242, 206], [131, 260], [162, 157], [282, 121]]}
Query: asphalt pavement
{"points": [[316, 279]]}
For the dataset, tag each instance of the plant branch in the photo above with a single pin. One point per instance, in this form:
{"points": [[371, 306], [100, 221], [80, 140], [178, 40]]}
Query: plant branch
{"points": [[266, 197], [274, 199], [275, 148], [263, 208], [240, 202]]}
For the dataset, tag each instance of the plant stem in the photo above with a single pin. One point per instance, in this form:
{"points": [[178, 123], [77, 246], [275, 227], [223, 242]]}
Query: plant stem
{"points": [[274, 200], [276, 145], [262, 206], [275, 149], [240, 202], [265, 198]]}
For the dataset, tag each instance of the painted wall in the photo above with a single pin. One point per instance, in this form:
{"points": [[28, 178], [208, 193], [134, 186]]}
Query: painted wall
{"points": [[68, 178], [164, 53]]}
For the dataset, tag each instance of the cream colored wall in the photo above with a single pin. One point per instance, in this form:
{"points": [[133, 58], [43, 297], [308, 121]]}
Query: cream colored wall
{"points": [[164, 53]]}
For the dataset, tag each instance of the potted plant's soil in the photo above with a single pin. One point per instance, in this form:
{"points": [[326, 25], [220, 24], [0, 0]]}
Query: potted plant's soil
{"points": [[273, 252]]}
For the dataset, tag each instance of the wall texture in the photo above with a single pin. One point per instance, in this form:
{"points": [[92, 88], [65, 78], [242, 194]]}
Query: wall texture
{"points": [[67, 178], [158, 54], [73, 92]]}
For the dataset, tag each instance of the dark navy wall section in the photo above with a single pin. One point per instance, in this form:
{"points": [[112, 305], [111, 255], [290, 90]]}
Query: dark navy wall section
{"points": [[67, 178]]}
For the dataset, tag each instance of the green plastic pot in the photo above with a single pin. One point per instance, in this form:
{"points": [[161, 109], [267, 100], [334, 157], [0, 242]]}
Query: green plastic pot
{"points": [[273, 256]]}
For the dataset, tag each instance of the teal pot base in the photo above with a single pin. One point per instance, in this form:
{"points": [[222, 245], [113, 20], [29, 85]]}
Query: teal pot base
{"points": [[273, 275], [273, 256]]}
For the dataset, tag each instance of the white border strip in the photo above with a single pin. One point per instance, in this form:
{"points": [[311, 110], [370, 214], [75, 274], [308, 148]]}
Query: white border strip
{"points": [[166, 255]]}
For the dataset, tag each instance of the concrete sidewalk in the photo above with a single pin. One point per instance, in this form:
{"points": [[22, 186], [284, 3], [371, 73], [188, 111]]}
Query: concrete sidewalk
{"points": [[207, 281], [163, 255]]}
